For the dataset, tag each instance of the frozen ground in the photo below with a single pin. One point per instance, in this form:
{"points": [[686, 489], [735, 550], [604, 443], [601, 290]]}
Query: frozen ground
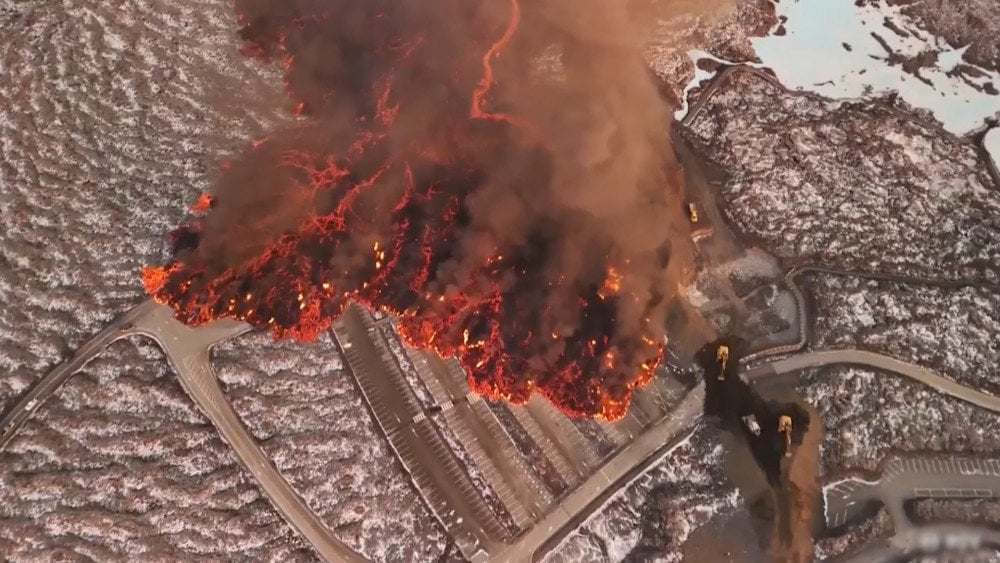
{"points": [[955, 332], [304, 407], [113, 117], [720, 27], [975, 23], [651, 519], [121, 466], [866, 414], [849, 49], [992, 144], [861, 185]]}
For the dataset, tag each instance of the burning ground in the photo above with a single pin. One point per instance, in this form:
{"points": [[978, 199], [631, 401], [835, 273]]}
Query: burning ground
{"points": [[523, 223]]}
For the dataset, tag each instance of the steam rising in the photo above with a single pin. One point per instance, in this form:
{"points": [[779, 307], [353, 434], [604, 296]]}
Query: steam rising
{"points": [[530, 230]]}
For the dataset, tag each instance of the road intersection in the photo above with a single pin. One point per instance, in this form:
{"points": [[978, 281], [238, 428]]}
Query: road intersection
{"points": [[188, 351]]}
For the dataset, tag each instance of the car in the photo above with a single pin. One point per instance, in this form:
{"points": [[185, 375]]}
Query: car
{"points": [[751, 422]]}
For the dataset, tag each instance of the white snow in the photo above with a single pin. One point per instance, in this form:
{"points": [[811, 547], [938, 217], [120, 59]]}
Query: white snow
{"points": [[701, 75], [992, 144], [812, 56]]}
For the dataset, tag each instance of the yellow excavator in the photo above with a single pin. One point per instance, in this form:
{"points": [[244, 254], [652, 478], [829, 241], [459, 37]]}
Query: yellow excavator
{"points": [[785, 427], [722, 355]]}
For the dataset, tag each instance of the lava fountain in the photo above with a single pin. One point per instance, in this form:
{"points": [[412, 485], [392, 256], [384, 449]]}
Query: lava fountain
{"points": [[496, 175]]}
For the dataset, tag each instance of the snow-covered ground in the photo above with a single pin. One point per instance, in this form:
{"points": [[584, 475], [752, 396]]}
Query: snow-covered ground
{"points": [[113, 117], [722, 27], [955, 332], [304, 407], [860, 185], [866, 414], [652, 518], [991, 141], [120, 466], [975, 23], [847, 50]]}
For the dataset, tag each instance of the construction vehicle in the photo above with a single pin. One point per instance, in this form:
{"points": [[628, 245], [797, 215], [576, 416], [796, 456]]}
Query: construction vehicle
{"points": [[722, 355], [692, 212], [785, 427]]}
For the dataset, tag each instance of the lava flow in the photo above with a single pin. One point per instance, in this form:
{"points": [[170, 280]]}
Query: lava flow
{"points": [[533, 244]]}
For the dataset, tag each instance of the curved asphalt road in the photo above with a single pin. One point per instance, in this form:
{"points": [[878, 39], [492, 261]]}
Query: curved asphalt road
{"points": [[187, 350], [21, 411], [878, 361], [592, 494]]}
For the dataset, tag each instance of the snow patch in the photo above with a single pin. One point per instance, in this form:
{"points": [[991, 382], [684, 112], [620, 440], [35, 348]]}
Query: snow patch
{"points": [[839, 50]]}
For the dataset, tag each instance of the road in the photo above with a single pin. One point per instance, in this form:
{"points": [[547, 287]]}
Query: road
{"points": [[435, 474], [718, 81], [932, 538], [187, 349], [910, 477], [718, 223], [598, 488], [884, 363], [21, 411]]}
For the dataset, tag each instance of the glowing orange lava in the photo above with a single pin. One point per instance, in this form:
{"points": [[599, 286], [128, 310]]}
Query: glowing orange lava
{"points": [[376, 217]]}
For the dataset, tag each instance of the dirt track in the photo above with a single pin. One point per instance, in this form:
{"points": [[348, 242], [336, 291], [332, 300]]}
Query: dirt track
{"points": [[797, 502]]}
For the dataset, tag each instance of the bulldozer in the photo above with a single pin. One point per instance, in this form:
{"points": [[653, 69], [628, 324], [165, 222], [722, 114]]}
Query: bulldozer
{"points": [[722, 355], [785, 427]]}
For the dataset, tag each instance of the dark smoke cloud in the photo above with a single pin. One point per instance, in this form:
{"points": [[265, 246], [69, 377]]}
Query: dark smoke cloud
{"points": [[566, 184]]}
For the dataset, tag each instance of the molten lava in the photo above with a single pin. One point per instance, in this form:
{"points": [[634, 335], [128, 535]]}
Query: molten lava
{"points": [[371, 200]]}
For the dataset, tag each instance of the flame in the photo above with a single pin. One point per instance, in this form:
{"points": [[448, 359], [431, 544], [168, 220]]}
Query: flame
{"points": [[300, 281], [204, 203], [612, 283]]}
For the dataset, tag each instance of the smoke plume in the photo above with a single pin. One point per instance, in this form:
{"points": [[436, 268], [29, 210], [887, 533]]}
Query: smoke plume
{"points": [[497, 174]]}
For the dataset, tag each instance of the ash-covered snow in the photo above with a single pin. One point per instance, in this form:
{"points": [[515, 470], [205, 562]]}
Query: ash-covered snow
{"points": [[955, 332], [867, 413], [120, 465], [860, 185], [653, 517], [303, 406]]}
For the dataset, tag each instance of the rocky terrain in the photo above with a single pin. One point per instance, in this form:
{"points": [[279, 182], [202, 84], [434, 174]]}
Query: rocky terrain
{"points": [[721, 27], [867, 413], [113, 118], [975, 23], [305, 409], [653, 517], [816, 181], [954, 331], [121, 466]]}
